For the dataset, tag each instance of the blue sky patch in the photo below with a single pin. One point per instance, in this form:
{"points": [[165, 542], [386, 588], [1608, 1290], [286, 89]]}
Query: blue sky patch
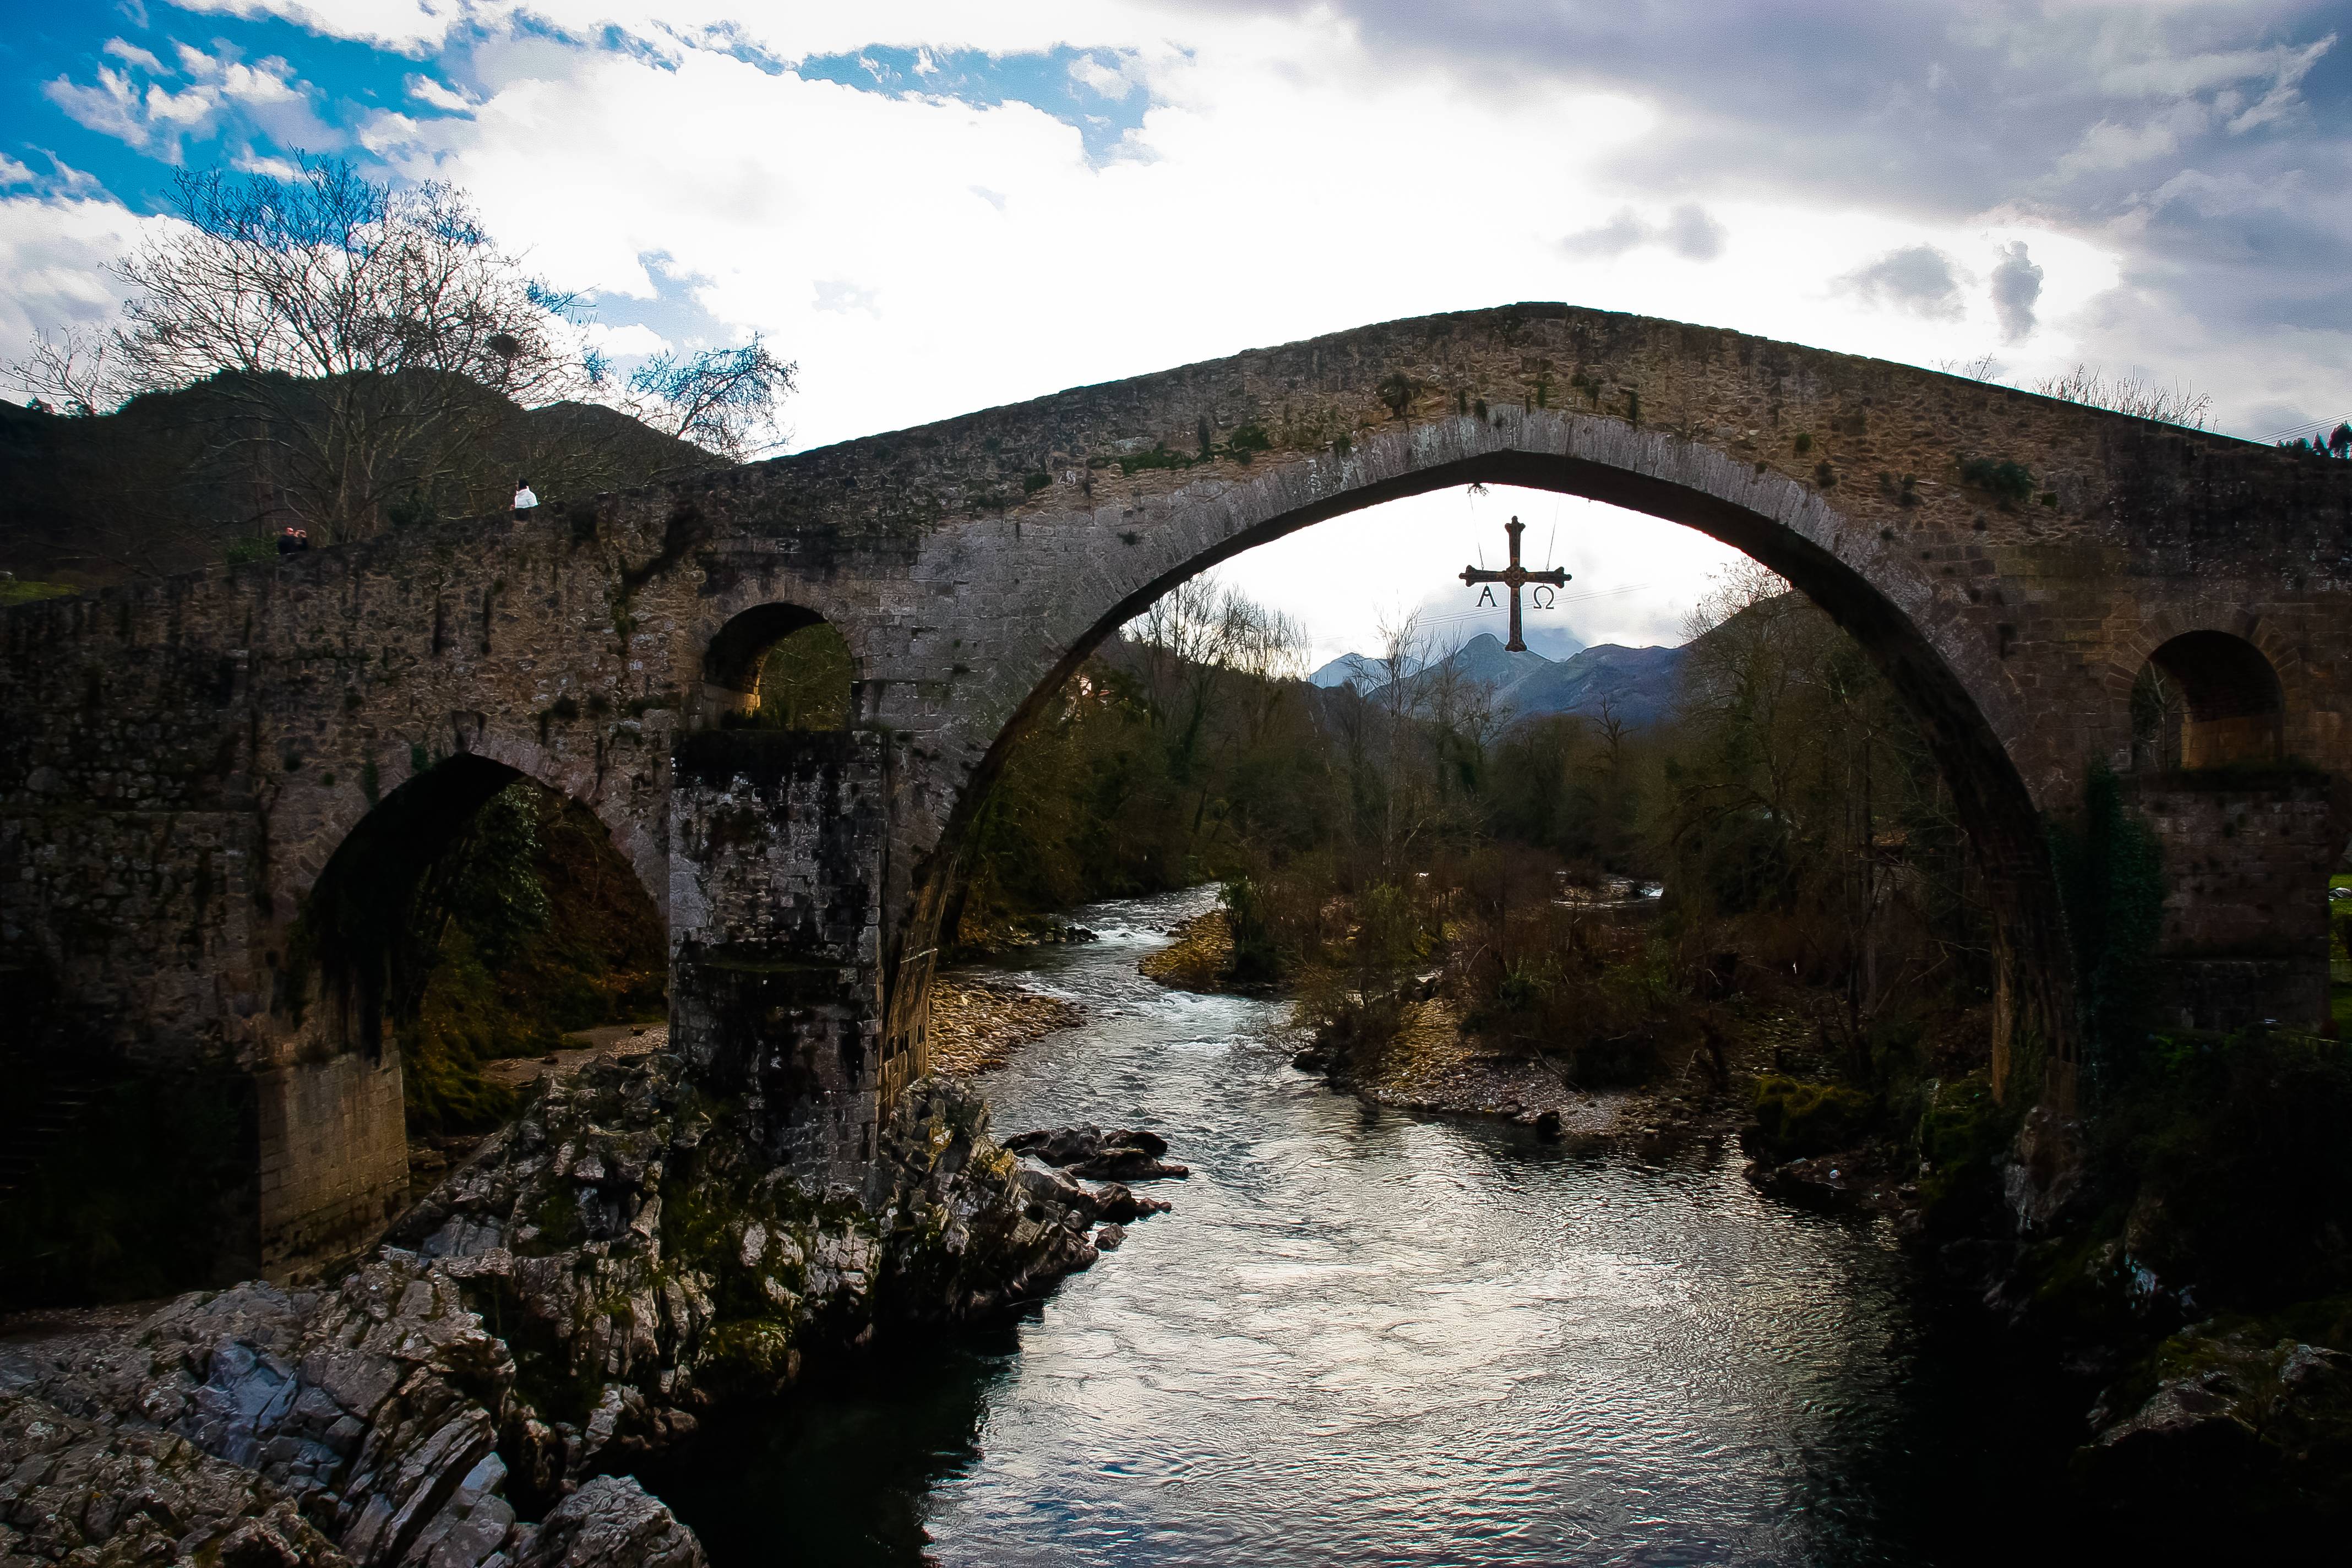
{"points": [[183, 86], [1087, 88]]}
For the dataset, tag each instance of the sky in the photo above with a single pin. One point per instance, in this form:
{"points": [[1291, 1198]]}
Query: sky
{"points": [[940, 207]]}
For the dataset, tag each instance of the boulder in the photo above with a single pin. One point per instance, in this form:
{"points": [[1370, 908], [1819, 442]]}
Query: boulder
{"points": [[610, 1522], [1060, 1146], [1127, 1166], [1116, 1202], [1121, 1154], [2239, 1425], [122, 1493], [371, 1414]]}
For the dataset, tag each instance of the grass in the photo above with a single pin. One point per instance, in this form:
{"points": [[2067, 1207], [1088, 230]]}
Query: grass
{"points": [[19, 590]]}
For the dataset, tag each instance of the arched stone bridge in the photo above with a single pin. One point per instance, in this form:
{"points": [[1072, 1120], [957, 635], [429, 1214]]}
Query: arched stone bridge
{"points": [[209, 784]]}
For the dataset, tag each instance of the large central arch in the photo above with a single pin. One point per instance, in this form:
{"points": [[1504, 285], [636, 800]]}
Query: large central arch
{"points": [[1851, 572]]}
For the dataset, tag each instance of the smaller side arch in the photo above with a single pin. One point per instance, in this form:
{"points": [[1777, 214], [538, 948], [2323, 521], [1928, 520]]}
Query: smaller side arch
{"points": [[352, 931], [309, 832], [2204, 699], [781, 666]]}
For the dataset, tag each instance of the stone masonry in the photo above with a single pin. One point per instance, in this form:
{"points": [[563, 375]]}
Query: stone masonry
{"points": [[183, 761], [776, 866]]}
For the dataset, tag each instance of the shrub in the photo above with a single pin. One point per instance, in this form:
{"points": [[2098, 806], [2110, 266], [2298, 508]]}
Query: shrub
{"points": [[1998, 477], [1795, 1120]]}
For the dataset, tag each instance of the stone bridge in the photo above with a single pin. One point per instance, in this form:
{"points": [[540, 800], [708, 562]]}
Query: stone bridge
{"points": [[212, 788]]}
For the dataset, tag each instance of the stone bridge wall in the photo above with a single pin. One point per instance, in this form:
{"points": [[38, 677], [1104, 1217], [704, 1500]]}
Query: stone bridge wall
{"points": [[776, 862], [181, 760]]}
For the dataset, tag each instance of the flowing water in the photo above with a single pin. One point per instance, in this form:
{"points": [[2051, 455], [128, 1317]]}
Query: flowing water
{"points": [[1364, 1337]]}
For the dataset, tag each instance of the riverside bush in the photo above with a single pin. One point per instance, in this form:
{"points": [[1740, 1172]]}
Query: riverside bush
{"points": [[1795, 1120]]}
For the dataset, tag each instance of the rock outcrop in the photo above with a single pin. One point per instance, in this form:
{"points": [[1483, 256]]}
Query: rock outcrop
{"points": [[564, 1302], [2249, 1424], [262, 1428], [642, 1259], [1121, 1154]]}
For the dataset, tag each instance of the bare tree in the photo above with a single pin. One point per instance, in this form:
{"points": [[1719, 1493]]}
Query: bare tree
{"points": [[348, 330], [1206, 646], [69, 373], [723, 400]]}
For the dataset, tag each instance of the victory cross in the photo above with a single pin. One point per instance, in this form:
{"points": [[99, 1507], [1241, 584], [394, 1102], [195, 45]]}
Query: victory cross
{"points": [[1518, 578]]}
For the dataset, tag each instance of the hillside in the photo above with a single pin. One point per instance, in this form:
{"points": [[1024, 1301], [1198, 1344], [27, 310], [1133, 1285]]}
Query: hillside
{"points": [[176, 480]]}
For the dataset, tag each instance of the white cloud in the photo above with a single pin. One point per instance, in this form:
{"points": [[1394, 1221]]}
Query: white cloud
{"points": [[158, 121], [12, 173], [624, 343], [54, 252], [1106, 82], [842, 297], [2108, 145], [1919, 279], [112, 106], [2016, 290], [132, 54], [437, 95], [1689, 231]]}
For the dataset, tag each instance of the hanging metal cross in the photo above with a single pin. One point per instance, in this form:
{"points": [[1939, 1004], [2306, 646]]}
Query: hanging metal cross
{"points": [[1518, 576]]}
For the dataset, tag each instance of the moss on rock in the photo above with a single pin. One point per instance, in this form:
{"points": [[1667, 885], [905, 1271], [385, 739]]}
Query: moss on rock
{"points": [[1796, 1119]]}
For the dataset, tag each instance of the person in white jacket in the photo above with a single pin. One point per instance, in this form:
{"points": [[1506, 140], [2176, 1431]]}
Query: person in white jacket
{"points": [[524, 498]]}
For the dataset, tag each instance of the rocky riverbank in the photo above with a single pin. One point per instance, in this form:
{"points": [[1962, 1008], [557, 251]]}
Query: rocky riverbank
{"points": [[1198, 959], [568, 1299], [975, 1028]]}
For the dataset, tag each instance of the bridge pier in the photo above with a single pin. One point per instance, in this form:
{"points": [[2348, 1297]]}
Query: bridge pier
{"points": [[776, 881], [2246, 863], [331, 1155]]}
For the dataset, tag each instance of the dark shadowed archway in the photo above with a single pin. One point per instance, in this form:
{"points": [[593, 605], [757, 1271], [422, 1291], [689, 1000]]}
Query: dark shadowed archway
{"points": [[2033, 963]]}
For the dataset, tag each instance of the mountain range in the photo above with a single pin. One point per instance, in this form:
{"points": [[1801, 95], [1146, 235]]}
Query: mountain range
{"points": [[1638, 684]]}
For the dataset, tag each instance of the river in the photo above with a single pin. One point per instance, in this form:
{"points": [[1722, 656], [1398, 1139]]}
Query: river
{"points": [[1365, 1337]]}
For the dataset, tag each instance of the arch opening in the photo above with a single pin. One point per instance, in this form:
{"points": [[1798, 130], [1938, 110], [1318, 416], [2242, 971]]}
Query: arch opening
{"points": [[779, 667], [474, 914], [2032, 963], [2207, 700]]}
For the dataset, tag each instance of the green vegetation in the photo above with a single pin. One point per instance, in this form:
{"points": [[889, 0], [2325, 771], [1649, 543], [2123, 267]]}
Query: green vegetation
{"points": [[1159, 457], [1383, 846], [530, 926], [805, 683], [1797, 1120], [17, 591], [1998, 477], [2111, 874]]}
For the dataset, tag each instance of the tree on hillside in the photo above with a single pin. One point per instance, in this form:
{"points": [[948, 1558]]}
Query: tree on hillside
{"points": [[358, 341], [722, 400]]}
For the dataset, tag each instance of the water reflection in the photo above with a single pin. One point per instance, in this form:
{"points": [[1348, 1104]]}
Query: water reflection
{"points": [[1368, 1338]]}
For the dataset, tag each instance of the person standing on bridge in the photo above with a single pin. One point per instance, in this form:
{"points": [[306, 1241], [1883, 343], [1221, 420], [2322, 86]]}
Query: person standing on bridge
{"points": [[524, 498]]}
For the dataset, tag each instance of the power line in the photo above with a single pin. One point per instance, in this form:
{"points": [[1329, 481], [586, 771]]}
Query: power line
{"points": [[2307, 432]]}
